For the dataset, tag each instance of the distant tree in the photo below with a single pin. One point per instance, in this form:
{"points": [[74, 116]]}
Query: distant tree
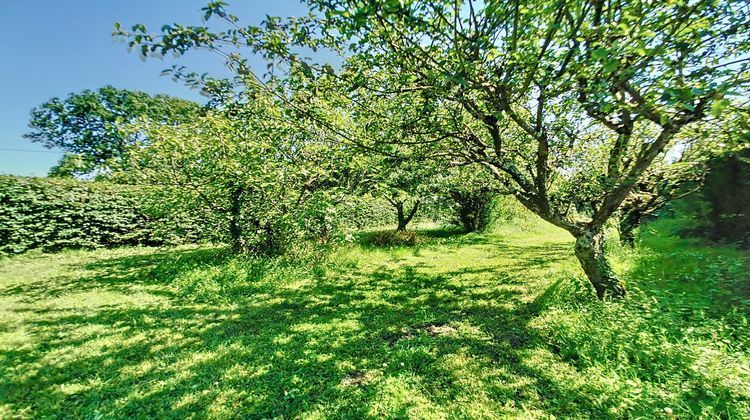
{"points": [[70, 165], [404, 184], [470, 192], [87, 125], [700, 151]]}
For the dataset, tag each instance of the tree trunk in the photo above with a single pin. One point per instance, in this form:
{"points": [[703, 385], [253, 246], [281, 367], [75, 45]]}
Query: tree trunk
{"points": [[400, 218], [468, 220], [468, 212], [589, 249], [403, 218], [235, 224]]}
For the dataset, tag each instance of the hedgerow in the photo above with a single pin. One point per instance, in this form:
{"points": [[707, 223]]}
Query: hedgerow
{"points": [[52, 214]]}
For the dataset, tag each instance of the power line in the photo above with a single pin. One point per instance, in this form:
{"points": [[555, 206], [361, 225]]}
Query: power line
{"points": [[29, 151]]}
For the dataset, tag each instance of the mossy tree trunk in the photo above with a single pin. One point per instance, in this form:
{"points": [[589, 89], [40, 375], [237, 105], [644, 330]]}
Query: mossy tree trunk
{"points": [[589, 249]]}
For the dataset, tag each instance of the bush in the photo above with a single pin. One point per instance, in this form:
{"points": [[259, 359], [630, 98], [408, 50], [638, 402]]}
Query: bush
{"points": [[325, 222], [720, 209], [393, 238], [53, 214], [474, 208], [727, 189]]}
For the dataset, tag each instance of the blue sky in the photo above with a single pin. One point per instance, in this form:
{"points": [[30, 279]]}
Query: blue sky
{"points": [[53, 47]]}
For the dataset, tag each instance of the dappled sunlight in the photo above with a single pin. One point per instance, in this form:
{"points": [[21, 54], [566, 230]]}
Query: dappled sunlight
{"points": [[401, 209], [446, 330]]}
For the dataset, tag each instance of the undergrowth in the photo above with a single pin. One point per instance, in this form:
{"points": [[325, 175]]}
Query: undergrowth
{"points": [[681, 341]]}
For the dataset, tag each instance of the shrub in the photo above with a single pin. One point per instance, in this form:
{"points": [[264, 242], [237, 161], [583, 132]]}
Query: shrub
{"points": [[53, 214], [720, 209], [727, 189], [474, 208], [393, 238]]}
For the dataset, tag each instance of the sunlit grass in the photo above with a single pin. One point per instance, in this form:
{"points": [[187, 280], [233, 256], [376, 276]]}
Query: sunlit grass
{"points": [[495, 325]]}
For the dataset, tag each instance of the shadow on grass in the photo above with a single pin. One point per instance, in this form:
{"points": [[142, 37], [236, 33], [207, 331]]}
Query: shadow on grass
{"points": [[123, 272], [278, 349], [442, 232], [371, 239], [332, 340]]}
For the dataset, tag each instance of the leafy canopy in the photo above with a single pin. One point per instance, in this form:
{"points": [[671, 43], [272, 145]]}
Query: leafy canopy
{"points": [[88, 124]]}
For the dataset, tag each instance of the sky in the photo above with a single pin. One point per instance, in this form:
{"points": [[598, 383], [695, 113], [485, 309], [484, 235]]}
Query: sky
{"points": [[50, 48]]}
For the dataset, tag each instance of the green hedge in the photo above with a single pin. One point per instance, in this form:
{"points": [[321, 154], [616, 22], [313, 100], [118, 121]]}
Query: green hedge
{"points": [[52, 214], [727, 190]]}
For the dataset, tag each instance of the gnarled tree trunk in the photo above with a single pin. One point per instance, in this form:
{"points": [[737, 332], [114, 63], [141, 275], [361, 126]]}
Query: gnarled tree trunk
{"points": [[589, 248]]}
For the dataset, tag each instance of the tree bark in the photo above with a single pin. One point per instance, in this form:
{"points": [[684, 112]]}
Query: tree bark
{"points": [[589, 249], [235, 224], [400, 218], [403, 218]]}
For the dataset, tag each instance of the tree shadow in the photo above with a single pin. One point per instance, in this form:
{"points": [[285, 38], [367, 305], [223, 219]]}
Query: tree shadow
{"points": [[329, 340], [122, 272], [444, 232], [271, 352]]}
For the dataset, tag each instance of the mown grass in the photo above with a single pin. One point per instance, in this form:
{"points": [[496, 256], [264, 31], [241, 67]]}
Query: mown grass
{"points": [[494, 325]]}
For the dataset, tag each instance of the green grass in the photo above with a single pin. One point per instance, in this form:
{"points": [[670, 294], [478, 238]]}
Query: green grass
{"points": [[495, 325]]}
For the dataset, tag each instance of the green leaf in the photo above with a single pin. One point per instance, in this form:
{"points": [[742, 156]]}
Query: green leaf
{"points": [[610, 66], [599, 53]]}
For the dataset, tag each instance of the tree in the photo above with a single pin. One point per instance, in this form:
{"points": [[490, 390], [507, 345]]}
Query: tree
{"points": [[693, 156], [552, 73], [251, 165], [87, 125], [516, 86], [471, 193], [404, 184]]}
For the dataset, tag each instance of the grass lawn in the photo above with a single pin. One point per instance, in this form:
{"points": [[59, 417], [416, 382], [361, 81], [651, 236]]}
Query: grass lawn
{"points": [[496, 325]]}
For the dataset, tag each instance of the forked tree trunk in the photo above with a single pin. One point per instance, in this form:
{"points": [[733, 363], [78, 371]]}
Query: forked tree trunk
{"points": [[404, 218], [589, 249]]}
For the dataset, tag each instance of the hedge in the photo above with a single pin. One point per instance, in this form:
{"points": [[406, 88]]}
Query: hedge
{"points": [[52, 214]]}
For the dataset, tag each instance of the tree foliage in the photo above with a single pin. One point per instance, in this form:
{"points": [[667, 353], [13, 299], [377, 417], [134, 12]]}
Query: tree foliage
{"points": [[684, 170], [87, 125], [270, 178], [527, 89]]}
